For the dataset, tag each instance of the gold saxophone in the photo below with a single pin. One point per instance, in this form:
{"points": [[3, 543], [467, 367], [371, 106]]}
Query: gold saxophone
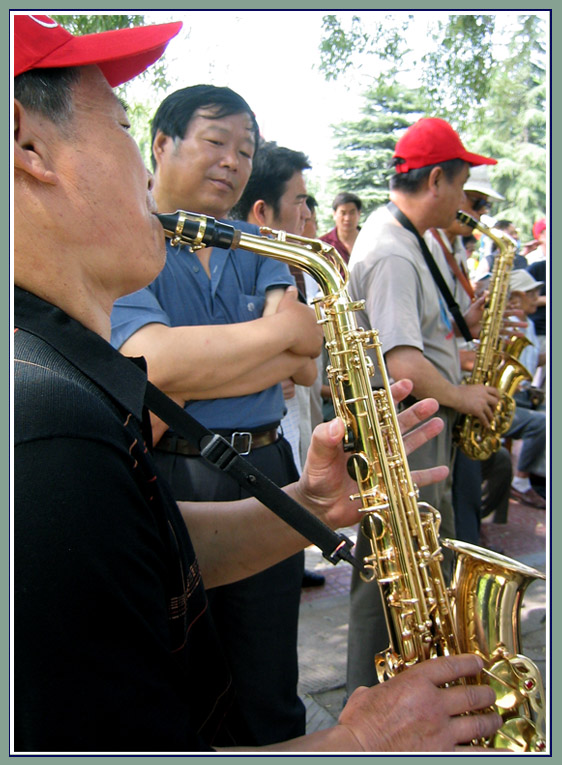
{"points": [[497, 358], [479, 612]]}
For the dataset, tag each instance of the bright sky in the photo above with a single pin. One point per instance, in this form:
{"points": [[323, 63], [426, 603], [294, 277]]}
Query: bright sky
{"points": [[271, 58]]}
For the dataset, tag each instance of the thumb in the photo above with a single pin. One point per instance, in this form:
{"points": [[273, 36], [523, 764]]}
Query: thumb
{"points": [[291, 292], [326, 441]]}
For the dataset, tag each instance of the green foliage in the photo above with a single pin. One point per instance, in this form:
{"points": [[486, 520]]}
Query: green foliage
{"points": [[140, 116], [366, 146], [337, 46], [513, 126], [86, 25], [340, 49], [489, 83], [456, 71]]}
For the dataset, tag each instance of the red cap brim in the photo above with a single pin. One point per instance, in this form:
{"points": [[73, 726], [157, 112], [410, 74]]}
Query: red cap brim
{"points": [[121, 54], [478, 159]]}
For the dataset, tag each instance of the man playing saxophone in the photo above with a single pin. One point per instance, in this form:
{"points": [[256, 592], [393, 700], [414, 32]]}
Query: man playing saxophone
{"points": [[416, 330], [448, 250], [115, 651]]}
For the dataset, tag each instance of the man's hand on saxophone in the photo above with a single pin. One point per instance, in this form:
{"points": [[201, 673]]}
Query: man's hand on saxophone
{"points": [[416, 711], [413, 711], [479, 400], [325, 485]]}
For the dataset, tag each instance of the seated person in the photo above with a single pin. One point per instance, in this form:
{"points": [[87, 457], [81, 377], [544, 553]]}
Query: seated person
{"points": [[528, 424]]}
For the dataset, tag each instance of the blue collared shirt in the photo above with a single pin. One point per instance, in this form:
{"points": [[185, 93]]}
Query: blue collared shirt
{"points": [[183, 295]]}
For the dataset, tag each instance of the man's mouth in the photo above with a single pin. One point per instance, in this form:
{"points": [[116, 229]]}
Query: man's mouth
{"points": [[223, 182]]}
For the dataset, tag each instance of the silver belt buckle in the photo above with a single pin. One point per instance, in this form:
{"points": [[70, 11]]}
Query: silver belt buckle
{"points": [[235, 437]]}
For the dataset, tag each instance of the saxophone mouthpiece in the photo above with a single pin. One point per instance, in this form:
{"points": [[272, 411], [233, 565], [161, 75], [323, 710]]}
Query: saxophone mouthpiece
{"points": [[198, 231], [466, 219]]}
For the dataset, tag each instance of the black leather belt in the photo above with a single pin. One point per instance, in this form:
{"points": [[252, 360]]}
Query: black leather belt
{"points": [[243, 441]]}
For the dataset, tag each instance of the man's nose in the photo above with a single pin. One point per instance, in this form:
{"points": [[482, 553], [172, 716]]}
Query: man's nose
{"points": [[230, 157]]}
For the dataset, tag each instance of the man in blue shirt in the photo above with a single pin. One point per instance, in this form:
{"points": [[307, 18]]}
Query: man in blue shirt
{"points": [[213, 342]]}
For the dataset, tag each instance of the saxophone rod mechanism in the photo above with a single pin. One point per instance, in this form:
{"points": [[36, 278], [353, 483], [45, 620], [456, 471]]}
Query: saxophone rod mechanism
{"points": [[198, 230]]}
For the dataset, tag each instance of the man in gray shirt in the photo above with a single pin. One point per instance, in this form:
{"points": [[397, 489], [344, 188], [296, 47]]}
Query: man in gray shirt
{"points": [[417, 333]]}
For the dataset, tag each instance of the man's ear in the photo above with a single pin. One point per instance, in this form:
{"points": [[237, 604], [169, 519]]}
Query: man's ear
{"points": [[262, 213], [159, 145], [435, 179], [30, 151], [259, 212]]}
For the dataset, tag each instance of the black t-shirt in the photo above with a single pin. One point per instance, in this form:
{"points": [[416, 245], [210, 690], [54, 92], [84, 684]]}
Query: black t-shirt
{"points": [[114, 647]]}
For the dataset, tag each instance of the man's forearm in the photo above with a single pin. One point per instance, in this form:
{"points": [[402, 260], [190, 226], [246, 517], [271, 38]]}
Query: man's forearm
{"points": [[410, 363], [236, 541], [197, 361], [271, 372]]}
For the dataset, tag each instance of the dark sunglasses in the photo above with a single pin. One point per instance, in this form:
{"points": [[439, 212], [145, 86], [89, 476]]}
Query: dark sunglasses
{"points": [[479, 204]]}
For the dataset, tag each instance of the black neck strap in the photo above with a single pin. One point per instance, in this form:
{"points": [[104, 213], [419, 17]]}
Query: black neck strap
{"points": [[452, 305], [216, 450]]}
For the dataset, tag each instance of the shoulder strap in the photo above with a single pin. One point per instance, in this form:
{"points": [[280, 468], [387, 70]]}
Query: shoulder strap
{"points": [[435, 272], [219, 452], [459, 273]]}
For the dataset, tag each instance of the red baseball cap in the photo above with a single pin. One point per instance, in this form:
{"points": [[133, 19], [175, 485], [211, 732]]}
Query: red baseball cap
{"points": [[539, 227], [121, 54], [432, 140]]}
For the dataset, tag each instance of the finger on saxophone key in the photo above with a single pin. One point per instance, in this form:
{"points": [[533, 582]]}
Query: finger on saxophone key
{"points": [[426, 708]]}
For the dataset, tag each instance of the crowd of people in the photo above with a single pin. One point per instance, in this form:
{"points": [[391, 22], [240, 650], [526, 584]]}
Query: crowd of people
{"points": [[156, 601]]}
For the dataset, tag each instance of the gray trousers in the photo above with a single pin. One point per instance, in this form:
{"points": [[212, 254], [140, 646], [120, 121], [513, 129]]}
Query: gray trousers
{"points": [[368, 633]]}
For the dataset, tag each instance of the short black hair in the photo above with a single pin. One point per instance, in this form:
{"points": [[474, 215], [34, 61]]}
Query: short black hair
{"points": [[311, 203], [177, 110], [412, 181], [503, 224], [48, 92], [344, 198], [273, 168]]}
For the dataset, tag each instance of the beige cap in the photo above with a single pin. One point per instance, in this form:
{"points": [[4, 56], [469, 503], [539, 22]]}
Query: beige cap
{"points": [[479, 181], [521, 280]]}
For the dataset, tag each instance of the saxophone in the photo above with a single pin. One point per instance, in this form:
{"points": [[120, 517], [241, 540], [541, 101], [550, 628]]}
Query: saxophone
{"points": [[426, 618], [497, 358]]}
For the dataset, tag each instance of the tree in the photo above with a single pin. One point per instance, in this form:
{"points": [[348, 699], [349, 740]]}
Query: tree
{"points": [[367, 145], [342, 50], [512, 127], [456, 70], [487, 78]]}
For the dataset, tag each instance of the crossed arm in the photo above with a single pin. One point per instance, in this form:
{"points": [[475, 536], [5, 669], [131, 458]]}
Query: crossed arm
{"points": [[217, 361]]}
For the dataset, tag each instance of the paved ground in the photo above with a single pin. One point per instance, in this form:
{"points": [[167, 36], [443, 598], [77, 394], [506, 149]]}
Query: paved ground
{"points": [[324, 613]]}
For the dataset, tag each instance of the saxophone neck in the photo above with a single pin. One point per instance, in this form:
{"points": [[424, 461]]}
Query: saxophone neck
{"points": [[500, 238], [317, 258]]}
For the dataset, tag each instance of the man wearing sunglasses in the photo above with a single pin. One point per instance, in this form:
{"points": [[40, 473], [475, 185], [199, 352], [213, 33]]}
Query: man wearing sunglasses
{"points": [[446, 246]]}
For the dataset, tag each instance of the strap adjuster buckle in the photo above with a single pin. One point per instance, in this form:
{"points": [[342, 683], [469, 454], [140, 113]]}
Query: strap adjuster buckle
{"points": [[242, 442]]}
